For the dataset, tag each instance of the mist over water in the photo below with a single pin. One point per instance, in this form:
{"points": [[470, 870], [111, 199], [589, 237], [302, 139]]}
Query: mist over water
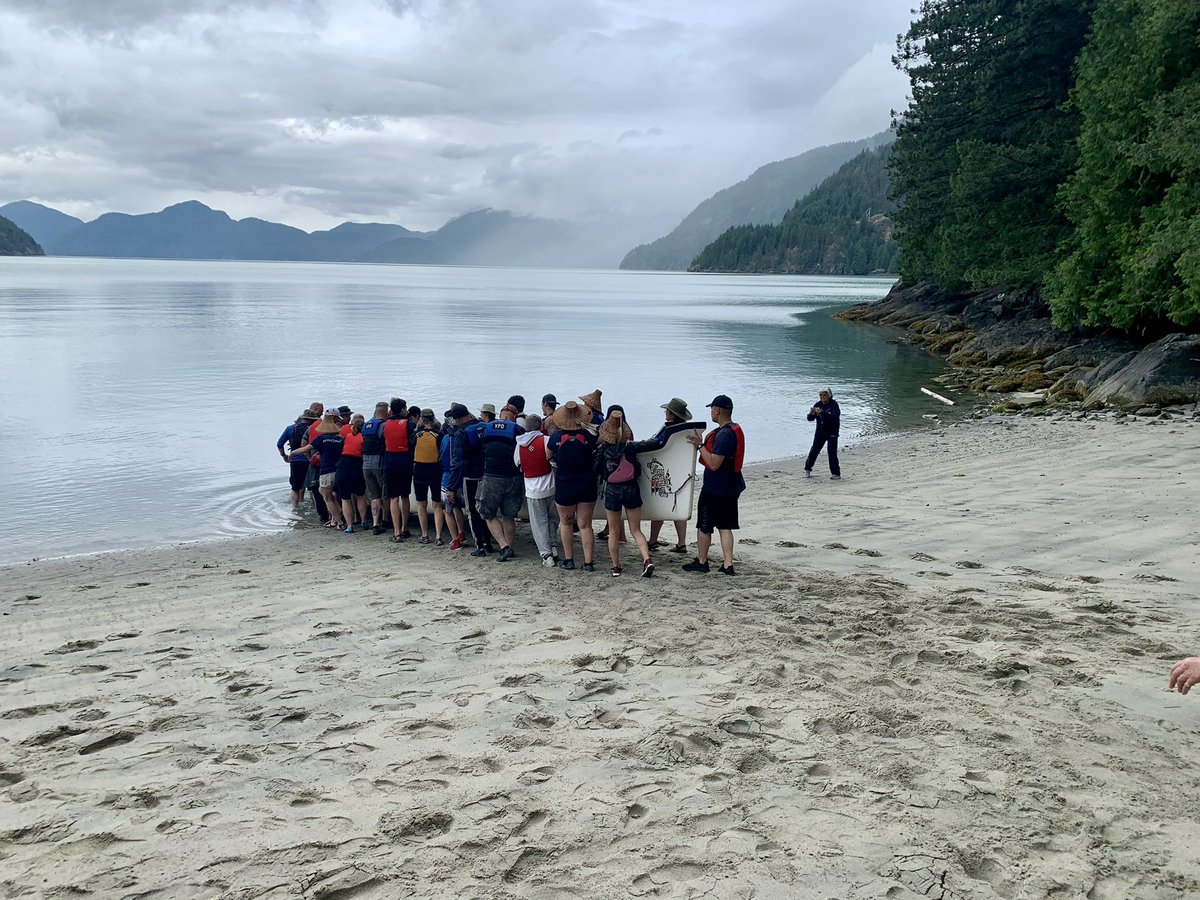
{"points": [[145, 396]]}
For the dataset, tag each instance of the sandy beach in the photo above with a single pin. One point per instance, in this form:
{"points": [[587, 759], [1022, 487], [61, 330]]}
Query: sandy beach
{"points": [[941, 677]]}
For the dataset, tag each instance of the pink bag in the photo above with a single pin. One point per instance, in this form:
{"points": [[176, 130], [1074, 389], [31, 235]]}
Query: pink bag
{"points": [[623, 473]]}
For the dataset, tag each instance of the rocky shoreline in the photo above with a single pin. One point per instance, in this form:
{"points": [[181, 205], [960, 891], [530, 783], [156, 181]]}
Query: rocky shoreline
{"points": [[1004, 344]]}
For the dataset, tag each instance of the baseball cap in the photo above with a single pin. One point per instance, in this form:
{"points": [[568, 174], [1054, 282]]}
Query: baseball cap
{"points": [[457, 411], [721, 401]]}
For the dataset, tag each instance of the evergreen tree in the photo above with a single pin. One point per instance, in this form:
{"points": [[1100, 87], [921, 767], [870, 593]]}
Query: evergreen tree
{"points": [[987, 138], [1134, 257]]}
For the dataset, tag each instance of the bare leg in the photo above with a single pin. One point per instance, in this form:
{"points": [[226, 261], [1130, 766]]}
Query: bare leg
{"points": [[362, 509], [727, 546], [423, 517], [635, 528], [335, 508], [405, 511], [394, 503], [347, 513], [566, 530], [458, 522], [496, 527], [587, 537], [655, 528], [614, 536], [681, 532], [376, 512], [703, 542], [439, 520], [508, 528]]}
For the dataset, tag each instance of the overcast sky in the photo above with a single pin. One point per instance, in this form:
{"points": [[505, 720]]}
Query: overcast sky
{"points": [[313, 112]]}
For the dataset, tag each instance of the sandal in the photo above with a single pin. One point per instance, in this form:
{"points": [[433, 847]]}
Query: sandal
{"points": [[423, 539], [679, 548], [439, 543], [396, 539]]}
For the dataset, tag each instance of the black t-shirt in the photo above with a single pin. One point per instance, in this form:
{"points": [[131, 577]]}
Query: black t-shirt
{"points": [[575, 454]]}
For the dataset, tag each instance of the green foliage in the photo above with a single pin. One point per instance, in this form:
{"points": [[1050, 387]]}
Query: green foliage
{"points": [[987, 139], [15, 242], [842, 228], [1134, 257]]}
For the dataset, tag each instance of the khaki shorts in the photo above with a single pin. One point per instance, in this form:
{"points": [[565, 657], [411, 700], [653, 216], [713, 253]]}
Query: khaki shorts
{"points": [[376, 484], [329, 480]]}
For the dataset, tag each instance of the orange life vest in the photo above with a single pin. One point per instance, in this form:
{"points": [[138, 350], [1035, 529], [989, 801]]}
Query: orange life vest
{"points": [[426, 447]]}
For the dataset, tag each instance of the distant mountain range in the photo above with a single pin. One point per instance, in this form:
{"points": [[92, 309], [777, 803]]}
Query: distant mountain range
{"points": [[191, 230], [761, 199]]}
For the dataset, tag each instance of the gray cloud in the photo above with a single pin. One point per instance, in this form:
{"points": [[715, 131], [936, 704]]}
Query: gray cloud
{"points": [[418, 110]]}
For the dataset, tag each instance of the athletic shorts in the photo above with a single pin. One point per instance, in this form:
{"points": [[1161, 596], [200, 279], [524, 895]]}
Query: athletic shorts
{"points": [[398, 481], [298, 475], [375, 484], [500, 496], [716, 513], [427, 473], [350, 481], [328, 479], [622, 496], [571, 491], [427, 491]]}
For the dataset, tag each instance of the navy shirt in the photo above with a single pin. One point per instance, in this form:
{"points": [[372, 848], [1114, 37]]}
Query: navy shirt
{"points": [[830, 420], [330, 448], [724, 481]]}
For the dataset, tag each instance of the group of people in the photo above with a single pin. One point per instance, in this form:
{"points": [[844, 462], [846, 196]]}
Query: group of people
{"points": [[474, 471]]}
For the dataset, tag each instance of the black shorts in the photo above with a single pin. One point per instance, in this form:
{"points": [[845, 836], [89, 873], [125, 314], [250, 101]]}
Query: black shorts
{"points": [[425, 491], [427, 473], [500, 496], [716, 513], [398, 480], [622, 496], [569, 492], [349, 480], [298, 475]]}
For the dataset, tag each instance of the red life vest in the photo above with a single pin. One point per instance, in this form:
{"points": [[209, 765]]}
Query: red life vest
{"points": [[738, 455], [534, 463], [395, 435], [353, 444]]}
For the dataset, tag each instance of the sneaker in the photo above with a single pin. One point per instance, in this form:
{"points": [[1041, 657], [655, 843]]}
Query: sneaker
{"points": [[647, 568], [808, 473], [617, 571], [378, 530], [349, 529], [479, 552], [835, 477], [423, 539], [569, 565], [589, 567], [696, 566], [549, 562], [506, 553], [457, 543], [726, 570]]}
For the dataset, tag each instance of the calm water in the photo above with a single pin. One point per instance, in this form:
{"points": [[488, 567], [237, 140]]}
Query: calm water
{"points": [[145, 397]]}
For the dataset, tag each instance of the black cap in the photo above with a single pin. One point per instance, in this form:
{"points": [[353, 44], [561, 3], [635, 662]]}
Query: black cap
{"points": [[721, 401], [550, 398], [457, 411], [344, 410]]}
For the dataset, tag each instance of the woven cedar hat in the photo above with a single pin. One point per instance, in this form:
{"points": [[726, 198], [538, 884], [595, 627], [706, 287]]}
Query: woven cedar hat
{"points": [[592, 400], [329, 424], [615, 430], [571, 416]]}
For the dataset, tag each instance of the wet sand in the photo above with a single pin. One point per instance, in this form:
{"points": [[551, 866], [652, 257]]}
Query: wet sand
{"points": [[943, 676]]}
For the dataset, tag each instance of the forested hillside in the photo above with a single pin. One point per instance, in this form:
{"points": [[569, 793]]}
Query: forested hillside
{"points": [[1050, 146], [15, 242], [842, 228]]}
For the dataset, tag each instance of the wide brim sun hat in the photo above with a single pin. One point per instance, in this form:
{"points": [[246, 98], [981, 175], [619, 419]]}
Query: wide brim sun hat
{"points": [[678, 408], [571, 416]]}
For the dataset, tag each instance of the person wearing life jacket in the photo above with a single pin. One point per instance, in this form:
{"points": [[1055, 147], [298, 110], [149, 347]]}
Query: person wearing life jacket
{"points": [[472, 462], [313, 480], [294, 437], [398, 437], [722, 451], [373, 477], [572, 449], [427, 478], [452, 500], [530, 455], [618, 467], [351, 488], [549, 405], [677, 413], [502, 488]]}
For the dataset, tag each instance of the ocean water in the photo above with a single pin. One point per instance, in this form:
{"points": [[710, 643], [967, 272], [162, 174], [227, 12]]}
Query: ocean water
{"points": [[144, 397]]}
